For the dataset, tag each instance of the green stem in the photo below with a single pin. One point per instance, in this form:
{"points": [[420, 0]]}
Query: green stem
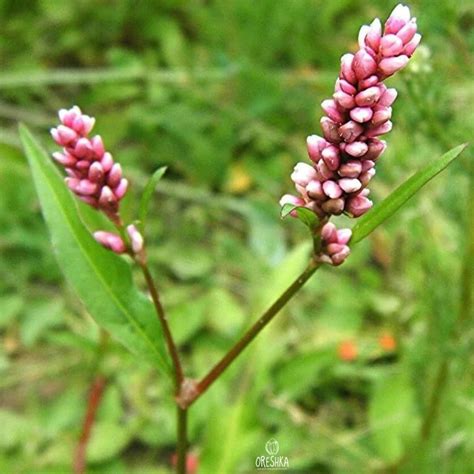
{"points": [[182, 420], [250, 335]]}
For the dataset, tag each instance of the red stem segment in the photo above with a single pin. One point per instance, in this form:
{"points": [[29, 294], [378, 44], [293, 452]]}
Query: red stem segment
{"points": [[95, 396], [250, 335]]}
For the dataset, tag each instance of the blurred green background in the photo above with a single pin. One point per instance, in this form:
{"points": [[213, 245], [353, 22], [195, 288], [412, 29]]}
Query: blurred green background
{"points": [[369, 369]]}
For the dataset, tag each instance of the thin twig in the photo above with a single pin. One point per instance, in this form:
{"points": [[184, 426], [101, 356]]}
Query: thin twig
{"points": [[250, 335]]}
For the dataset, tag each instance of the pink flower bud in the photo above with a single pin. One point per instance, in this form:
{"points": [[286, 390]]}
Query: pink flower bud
{"points": [[399, 17], [346, 87], [64, 159], [412, 45], [343, 236], [367, 165], [332, 190], [349, 185], [339, 258], [303, 174], [380, 116], [83, 148], [115, 175], [331, 157], [72, 183], [390, 66], [358, 205], [107, 199], [293, 200], [328, 233], [63, 135], [376, 148], [408, 31], [96, 172], [107, 162], [98, 146], [356, 148], [364, 65], [368, 96], [330, 130], [121, 189], [351, 169], [367, 176], [388, 97], [329, 106], [362, 35], [346, 68], [391, 45], [315, 144], [324, 172], [334, 248], [344, 100], [379, 129], [314, 190], [374, 34], [350, 131], [333, 206], [369, 82], [136, 239], [361, 114], [110, 241]]}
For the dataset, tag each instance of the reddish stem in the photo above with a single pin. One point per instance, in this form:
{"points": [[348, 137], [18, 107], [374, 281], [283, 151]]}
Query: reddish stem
{"points": [[95, 395]]}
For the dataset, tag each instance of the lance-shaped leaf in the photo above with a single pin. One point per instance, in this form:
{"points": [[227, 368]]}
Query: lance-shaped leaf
{"points": [[102, 279], [385, 209], [305, 215], [148, 194]]}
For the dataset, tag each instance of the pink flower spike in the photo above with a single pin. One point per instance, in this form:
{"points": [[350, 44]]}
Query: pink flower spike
{"points": [[64, 159], [96, 172], [379, 130], [350, 131], [364, 30], [114, 175], [344, 100], [329, 106], [314, 190], [330, 130], [107, 162], [331, 157], [368, 96], [110, 241], [98, 146], [381, 116], [351, 169]]}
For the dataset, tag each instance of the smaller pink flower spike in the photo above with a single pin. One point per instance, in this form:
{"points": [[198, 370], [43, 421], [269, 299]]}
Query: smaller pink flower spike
{"points": [[110, 241], [93, 175], [334, 248]]}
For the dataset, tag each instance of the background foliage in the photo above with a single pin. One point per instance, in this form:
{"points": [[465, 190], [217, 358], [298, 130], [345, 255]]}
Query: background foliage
{"points": [[224, 94]]}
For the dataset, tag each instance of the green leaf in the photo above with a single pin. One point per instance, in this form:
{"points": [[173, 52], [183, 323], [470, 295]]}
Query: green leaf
{"points": [[102, 279], [385, 209], [148, 194], [305, 215]]}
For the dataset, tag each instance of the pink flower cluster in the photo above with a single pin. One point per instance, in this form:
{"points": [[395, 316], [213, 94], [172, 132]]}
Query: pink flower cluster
{"points": [[359, 112], [92, 173], [334, 248]]}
